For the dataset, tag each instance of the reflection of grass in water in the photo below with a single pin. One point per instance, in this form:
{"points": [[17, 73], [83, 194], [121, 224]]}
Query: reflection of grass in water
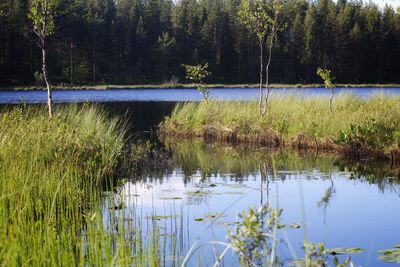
{"points": [[240, 161]]}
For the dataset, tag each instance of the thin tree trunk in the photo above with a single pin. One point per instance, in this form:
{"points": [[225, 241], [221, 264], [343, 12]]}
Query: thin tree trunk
{"points": [[267, 89], [261, 74], [46, 79], [331, 100]]}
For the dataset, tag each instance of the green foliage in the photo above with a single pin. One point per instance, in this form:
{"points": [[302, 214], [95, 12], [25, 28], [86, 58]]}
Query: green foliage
{"points": [[253, 15], [371, 135], [316, 256], [254, 232], [390, 255], [198, 74], [328, 82], [42, 13], [282, 126], [325, 75]]}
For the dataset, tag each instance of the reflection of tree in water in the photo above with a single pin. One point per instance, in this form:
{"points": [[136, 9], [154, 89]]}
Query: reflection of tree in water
{"points": [[327, 197], [384, 176]]}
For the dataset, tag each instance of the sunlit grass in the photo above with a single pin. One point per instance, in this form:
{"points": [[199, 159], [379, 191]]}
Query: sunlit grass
{"points": [[51, 177], [290, 120]]}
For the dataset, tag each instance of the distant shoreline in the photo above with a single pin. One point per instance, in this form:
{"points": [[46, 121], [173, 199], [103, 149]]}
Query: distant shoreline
{"points": [[187, 86]]}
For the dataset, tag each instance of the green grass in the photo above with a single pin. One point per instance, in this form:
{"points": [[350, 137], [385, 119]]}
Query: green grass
{"points": [[291, 121], [51, 177]]}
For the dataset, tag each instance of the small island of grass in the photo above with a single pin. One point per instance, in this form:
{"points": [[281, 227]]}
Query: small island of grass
{"points": [[357, 127]]}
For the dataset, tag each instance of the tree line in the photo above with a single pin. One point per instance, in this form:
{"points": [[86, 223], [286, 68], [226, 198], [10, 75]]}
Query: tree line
{"points": [[147, 41]]}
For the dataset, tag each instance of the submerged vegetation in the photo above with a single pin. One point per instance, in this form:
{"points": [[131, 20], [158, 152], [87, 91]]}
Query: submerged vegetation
{"points": [[358, 127]]}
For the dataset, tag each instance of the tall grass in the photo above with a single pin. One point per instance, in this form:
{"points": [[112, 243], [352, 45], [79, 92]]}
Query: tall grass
{"points": [[290, 121], [51, 171]]}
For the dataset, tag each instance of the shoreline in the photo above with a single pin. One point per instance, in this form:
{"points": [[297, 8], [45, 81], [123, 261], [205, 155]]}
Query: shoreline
{"points": [[189, 86]]}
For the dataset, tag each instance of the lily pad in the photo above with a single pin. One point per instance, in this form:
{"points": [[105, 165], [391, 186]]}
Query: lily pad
{"points": [[171, 198], [159, 217], [198, 193], [167, 235], [210, 216], [237, 186], [227, 223], [390, 255], [338, 251], [206, 185], [233, 193], [293, 225]]}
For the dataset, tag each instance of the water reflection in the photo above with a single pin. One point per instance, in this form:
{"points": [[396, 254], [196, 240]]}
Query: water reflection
{"points": [[203, 188]]}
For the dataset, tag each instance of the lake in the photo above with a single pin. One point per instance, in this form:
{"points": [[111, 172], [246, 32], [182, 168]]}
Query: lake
{"points": [[172, 95]]}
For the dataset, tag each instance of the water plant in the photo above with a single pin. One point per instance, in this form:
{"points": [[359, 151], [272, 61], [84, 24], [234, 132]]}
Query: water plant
{"points": [[254, 236], [316, 255], [390, 255], [371, 135]]}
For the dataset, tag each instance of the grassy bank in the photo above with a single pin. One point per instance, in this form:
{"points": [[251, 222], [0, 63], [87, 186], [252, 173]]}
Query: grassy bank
{"points": [[185, 86], [357, 127], [51, 177]]}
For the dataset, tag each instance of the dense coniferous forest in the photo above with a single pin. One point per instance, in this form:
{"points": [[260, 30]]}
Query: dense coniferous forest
{"points": [[146, 41]]}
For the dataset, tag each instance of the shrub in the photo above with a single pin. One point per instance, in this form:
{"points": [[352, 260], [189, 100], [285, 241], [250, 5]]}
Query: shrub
{"points": [[368, 136]]}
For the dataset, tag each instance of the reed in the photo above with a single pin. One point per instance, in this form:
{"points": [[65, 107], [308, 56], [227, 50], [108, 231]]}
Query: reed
{"points": [[52, 174]]}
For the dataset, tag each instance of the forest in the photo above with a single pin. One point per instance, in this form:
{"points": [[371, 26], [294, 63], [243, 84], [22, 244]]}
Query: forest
{"points": [[147, 41]]}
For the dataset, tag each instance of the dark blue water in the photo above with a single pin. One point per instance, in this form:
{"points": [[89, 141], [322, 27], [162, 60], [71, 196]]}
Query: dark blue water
{"points": [[173, 95]]}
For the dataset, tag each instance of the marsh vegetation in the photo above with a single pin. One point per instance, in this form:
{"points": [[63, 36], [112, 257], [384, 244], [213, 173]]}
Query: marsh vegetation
{"points": [[358, 127]]}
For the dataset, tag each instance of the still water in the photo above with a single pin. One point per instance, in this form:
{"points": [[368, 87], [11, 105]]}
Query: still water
{"points": [[197, 196], [174, 95]]}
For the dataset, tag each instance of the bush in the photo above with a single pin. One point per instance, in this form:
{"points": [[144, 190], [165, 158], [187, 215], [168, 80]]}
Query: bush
{"points": [[368, 136]]}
